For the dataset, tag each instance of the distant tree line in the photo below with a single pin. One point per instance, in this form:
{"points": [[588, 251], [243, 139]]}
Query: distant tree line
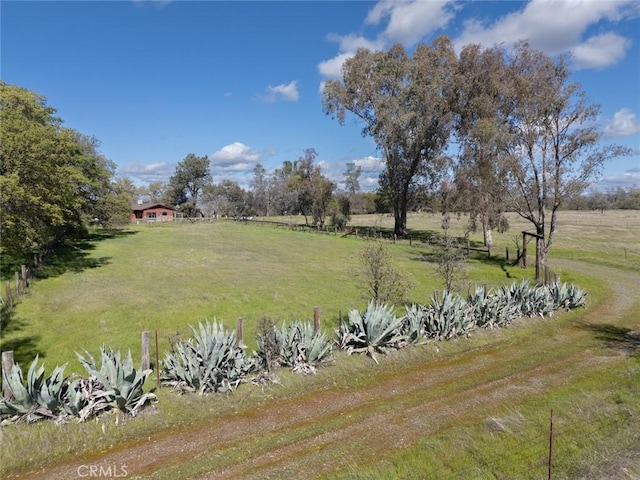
{"points": [[297, 187], [614, 199]]}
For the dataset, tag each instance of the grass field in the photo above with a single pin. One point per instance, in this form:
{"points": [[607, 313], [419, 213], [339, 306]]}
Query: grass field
{"points": [[167, 276]]}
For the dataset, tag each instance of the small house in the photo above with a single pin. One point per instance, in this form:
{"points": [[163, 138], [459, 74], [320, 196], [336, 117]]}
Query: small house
{"points": [[151, 212]]}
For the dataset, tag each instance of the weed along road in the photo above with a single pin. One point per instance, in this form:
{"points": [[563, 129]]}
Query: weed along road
{"points": [[325, 432]]}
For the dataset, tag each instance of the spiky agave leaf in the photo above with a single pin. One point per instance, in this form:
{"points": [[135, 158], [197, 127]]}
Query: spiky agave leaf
{"points": [[373, 331], [38, 398], [301, 347], [448, 316], [208, 362], [122, 383], [413, 324]]}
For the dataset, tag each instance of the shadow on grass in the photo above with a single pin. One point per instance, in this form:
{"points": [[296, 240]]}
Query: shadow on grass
{"points": [[616, 338], [430, 253], [24, 347], [73, 255]]}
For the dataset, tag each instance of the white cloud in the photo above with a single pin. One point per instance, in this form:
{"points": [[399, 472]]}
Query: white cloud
{"points": [[236, 157], [629, 179], [558, 27], [370, 164], [151, 172], [410, 21], [286, 91], [332, 68], [623, 124], [347, 46], [600, 51]]}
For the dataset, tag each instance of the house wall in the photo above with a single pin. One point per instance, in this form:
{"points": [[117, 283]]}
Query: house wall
{"points": [[156, 214]]}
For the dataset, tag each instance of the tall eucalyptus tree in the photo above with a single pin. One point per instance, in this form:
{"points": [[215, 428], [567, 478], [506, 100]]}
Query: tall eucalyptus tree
{"points": [[403, 103], [554, 146]]}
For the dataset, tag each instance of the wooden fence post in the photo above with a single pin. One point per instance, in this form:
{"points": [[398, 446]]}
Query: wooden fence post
{"points": [[316, 319], [25, 283], [556, 278], [8, 295], [146, 358], [524, 250], [240, 333], [7, 365], [506, 252], [17, 282], [157, 362]]}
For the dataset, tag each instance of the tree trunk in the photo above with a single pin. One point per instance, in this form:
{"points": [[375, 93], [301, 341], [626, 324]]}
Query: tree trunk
{"points": [[487, 234], [541, 254], [400, 224]]}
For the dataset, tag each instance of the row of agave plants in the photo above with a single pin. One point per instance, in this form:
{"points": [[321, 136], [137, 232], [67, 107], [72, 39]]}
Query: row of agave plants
{"points": [[211, 361], [115, 385]]}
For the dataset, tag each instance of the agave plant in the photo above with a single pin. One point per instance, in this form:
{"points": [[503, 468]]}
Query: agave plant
{"points": [[121, 382], [36, 399], [209, 362], [413, 324], [567, 296], [373, 331], [302, 348], [448, 317], [492, 310]]}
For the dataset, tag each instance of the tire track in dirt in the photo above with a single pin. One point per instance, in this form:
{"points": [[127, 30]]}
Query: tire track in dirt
{"points": [[312, 432]]}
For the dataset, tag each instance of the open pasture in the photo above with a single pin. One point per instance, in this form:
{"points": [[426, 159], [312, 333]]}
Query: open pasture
{"points": [[475, 407]]}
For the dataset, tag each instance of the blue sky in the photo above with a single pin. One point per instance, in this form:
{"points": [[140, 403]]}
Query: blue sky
{"points": [[240, 81]]}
